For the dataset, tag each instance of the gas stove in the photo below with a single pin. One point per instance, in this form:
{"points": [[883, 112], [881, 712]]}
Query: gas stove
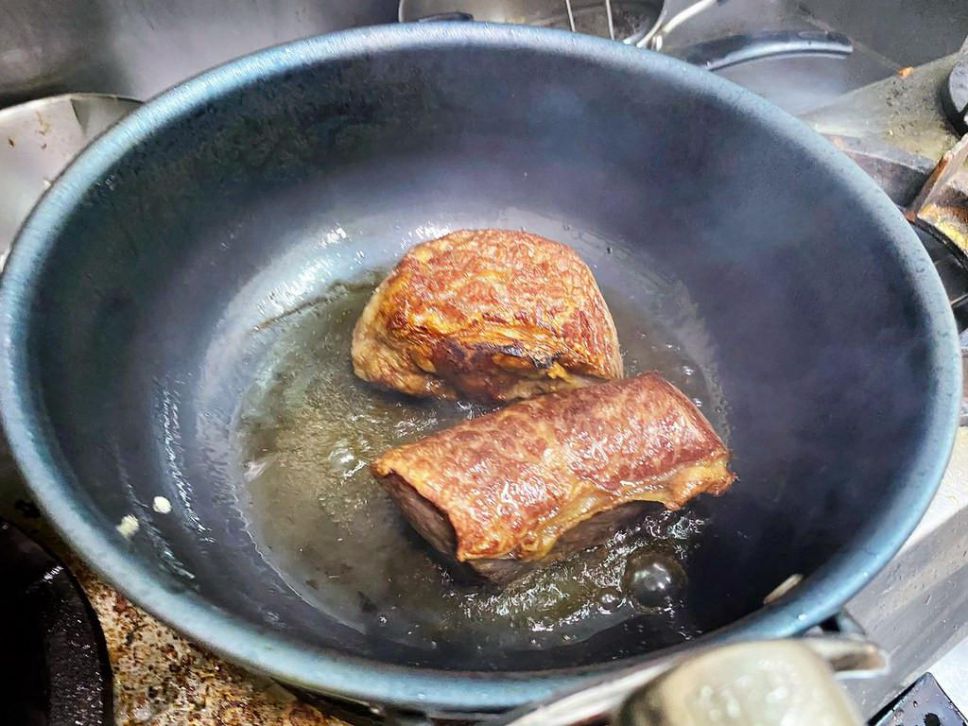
{"points": [[895, 104]]}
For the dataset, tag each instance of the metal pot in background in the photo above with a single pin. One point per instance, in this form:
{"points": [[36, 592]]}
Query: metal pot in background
{"points": [[642, 23], [37, 140], [139, 49]]}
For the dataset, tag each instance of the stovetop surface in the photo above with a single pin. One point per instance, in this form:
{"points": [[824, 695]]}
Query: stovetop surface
{"points": [[886, 38], [917, 608]]}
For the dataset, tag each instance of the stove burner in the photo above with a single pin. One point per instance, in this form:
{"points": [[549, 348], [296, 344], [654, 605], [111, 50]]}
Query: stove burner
{"points": [[57, 665]]}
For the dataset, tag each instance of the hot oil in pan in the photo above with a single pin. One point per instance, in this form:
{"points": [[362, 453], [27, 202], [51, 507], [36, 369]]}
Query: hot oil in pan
{"points": [[308, 431]]}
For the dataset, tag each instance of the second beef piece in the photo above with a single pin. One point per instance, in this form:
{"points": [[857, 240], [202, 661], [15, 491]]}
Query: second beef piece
{"points": [[544, 477]]}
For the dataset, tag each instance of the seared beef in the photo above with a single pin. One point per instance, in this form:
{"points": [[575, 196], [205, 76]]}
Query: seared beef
{"points": [[542, 478]]}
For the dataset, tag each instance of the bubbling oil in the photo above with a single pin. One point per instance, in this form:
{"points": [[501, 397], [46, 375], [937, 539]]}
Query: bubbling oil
{"points": [[307, 432]]}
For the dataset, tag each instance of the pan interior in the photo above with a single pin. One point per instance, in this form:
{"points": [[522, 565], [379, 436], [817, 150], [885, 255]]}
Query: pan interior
{"points": [[308, 430], [162, 346]]}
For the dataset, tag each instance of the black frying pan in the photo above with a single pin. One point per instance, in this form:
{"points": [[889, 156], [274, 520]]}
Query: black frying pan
{"points": [[174, 320]]}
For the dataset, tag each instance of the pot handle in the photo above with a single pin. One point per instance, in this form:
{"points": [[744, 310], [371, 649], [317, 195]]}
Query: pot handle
{"points": [[732, 50]]}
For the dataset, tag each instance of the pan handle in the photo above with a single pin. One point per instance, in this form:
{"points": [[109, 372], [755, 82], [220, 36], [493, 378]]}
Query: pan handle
{"points": [[767, 679], [722, 53]]}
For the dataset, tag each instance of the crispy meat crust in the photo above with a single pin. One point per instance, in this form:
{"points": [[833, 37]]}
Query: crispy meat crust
{"points": [[491, 315], [511, 484]]}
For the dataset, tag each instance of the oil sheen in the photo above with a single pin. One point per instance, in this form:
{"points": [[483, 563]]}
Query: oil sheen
{"points": [[307, 432]]}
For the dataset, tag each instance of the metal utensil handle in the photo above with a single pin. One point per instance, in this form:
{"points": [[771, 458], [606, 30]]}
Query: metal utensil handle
{"points": [[654, 38], [731, 50]]}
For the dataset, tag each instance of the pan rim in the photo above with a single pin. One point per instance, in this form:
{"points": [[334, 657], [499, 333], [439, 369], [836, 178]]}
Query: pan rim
{"points": [[372, 681]]}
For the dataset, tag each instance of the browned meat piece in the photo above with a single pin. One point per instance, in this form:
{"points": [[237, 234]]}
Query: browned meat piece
{"points": [[491, 315], [545, 477]]}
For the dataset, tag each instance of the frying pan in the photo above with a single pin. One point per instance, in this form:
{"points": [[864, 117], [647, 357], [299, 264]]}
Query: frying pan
{"points": [[155, 285]]}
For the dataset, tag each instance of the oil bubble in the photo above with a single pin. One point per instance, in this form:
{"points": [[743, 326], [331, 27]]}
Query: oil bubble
{"points": [[653, 579]]}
